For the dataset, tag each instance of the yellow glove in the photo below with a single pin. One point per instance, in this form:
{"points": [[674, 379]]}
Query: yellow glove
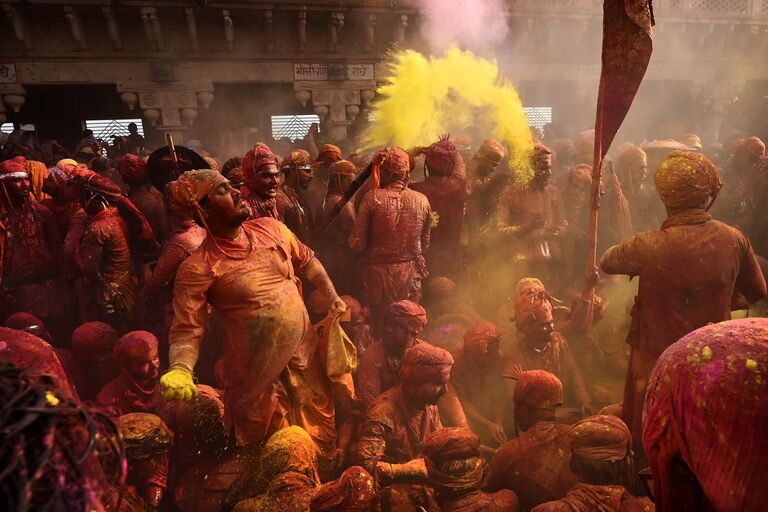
{"points": [[178, 384]]}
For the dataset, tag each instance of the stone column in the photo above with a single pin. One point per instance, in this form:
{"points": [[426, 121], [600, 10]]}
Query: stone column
{"points": [[337, 103], [170, 108]]}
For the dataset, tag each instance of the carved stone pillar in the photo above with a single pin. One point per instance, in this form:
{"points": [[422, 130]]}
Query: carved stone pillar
{"points": [[337, 103], [14, 97], [171, 108]]}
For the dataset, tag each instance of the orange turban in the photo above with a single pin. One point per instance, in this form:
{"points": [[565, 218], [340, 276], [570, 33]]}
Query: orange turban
{"points": [[424, 363], [133, 169], [480, 332], [580, 175], [191, 187], [686, 179], [407, 312], [532, 301], [491, 151], [601, 439], [631, 156], [298, 159], [344, 167], [392, 162], [328, 154], [538, 389]]}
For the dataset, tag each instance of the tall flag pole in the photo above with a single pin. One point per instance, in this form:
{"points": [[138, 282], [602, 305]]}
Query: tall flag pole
{"points": [[627, 48]]}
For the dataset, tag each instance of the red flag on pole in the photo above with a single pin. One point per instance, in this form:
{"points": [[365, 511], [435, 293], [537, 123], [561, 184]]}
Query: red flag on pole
{"points": [[627, 48]]}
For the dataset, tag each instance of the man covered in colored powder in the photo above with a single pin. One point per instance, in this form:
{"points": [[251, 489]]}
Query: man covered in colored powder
{"points": [[445, 188], [32, 252], [456, 470], [332, 247], [540, 347], [535, 465], [692, 271], [603, 460], [262, 182], [111, 251], [136, 388], [247, 271], [133, 171], [529, 218], [291, 204], [477, 379], [391, 232], [486, 183], [379, 368], [399, 420], [633, 172], [705, 422]]}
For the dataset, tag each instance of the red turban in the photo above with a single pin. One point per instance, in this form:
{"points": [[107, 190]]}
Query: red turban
{"points": [[601, 439], [353, 305], [537, 389], [99, 185], [93, 339], [408, 313], [440, 286], [580, 175], [257, 157], [480, 332], [424, 363], [329, 154], [133, 169], [492, 151], [451, 444], [441, 157], [393, 162], [355, 490], [344, 167], [686, 179], [145, 435], [751, 147], [22, 320], [14, 168], [132, 345], [532, 301], [631, 156]]}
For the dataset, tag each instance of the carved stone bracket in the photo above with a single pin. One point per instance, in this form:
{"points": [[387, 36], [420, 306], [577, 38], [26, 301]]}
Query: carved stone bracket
{"points": [[73, 18], [16, 21], [336, 103], [169, 107], [114, 33]]}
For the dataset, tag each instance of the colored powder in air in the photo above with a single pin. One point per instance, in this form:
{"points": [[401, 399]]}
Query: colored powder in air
{"points": [[457, 93]]}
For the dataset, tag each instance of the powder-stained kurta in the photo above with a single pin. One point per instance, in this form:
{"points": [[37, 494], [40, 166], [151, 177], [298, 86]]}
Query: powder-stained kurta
{"points": [[535, 465], [394, 431], [391, 232], [689, 270], [255, 292]]}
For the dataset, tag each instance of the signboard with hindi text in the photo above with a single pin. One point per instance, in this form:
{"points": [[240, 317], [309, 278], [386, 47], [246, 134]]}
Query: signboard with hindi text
{"points": [[323, 72]]}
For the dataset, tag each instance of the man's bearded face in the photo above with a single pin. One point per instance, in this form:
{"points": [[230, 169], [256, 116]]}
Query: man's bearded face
{"points": [[304, 175], [486, 352], [224, 204], [542, 169], [578, 196], [18, 188], [266, 181], [429, 392], [144, 367], [397, 334]]}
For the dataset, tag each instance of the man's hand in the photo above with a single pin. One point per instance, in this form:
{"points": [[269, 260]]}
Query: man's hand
{"points": [[338, 306], [178, 384], [497, 432]]}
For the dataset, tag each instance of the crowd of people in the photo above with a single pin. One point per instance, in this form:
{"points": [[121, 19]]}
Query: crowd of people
{"points": [[406, 329]]}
